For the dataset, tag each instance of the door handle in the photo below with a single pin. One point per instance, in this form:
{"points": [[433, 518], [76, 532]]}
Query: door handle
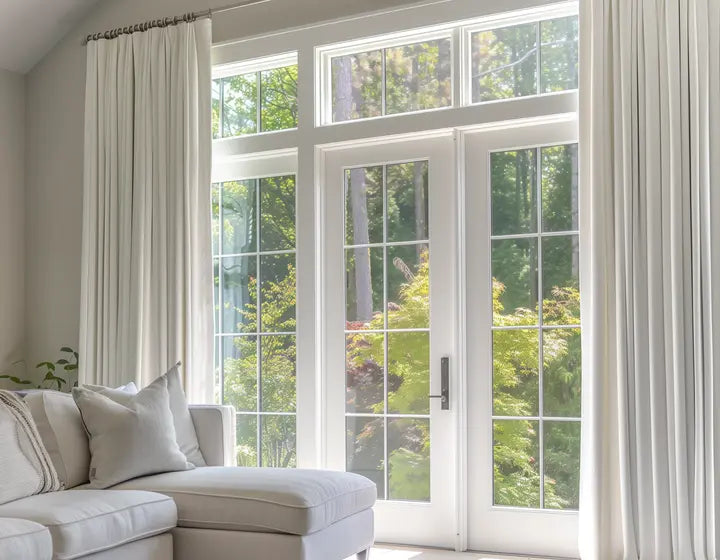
{"points": [[444, 395]]}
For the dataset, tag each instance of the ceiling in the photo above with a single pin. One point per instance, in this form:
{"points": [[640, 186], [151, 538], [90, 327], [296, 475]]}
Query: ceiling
{"points": [[29, 29]]}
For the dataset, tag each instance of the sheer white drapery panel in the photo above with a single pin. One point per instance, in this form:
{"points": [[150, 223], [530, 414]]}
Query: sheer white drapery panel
{"points": [[650, 168]]}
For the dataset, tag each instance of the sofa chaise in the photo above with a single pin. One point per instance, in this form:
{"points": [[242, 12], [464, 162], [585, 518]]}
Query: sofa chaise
{"points": [[216, 512]]}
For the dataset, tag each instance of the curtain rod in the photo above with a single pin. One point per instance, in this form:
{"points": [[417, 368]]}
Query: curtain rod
{"points": [[164, 22]]}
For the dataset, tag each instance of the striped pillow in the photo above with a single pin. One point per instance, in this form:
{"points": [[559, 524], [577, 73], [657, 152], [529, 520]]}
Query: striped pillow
{"points": [[25, 466]]}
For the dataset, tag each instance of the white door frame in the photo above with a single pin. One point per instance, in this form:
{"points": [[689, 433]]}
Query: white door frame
{"points": [[434, 523]]}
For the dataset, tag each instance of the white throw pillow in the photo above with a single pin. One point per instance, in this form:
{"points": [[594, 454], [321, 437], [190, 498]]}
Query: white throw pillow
{"points": [[130, 437], [184, 427], [25, 466], [61, 428]]}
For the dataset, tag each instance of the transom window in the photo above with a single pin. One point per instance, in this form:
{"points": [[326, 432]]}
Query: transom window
{"points": [[255, 96], [388, 81]]}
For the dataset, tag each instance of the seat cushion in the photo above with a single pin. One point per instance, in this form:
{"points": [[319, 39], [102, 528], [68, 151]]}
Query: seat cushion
{"points": [[293, 501], [20, 538], [82, 522]]}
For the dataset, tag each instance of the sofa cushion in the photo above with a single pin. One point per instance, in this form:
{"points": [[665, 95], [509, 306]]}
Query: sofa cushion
{"points": [[82, 522], [20, 538], [130, 436], [25, 466], [61, 428], [184, 428], [292, 501]]}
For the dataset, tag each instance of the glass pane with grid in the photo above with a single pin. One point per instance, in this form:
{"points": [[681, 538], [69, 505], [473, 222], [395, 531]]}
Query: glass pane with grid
{"points": [[524, 59], [536, 327], [261, 101], [393, 80], [387, 329], [255, 323]]}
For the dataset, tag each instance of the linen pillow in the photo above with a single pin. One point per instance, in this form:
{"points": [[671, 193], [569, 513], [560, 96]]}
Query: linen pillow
{"points": [[61, 428], [25, 465], [132, 437], [184, 426]]}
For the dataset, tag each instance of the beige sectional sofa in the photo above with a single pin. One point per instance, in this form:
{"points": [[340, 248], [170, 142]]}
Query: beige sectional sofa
{"points": [[216, 512]]}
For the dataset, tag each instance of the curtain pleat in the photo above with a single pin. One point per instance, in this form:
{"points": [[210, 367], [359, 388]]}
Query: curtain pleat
{"points": [[650, 77], [147, 269]]}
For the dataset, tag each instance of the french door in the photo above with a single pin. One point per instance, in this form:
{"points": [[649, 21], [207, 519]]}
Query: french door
{"points": [[466, 286], [389, 302], [522, 338]]}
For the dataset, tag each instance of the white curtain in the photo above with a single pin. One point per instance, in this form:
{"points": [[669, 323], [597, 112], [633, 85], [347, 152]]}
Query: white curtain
{"points": [[146, 260], [650, 164]]}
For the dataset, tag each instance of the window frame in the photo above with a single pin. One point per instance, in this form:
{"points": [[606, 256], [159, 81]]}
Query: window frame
{"points": [[310, 140]]}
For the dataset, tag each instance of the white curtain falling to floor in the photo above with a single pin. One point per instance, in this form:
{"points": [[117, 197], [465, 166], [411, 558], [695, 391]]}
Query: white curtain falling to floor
{"points": [[650, 140], [146, 260]]}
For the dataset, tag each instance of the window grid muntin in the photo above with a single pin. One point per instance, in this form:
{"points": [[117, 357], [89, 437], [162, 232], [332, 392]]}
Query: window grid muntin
{"points": [[259, 332], [539, 327], [386, 416]]}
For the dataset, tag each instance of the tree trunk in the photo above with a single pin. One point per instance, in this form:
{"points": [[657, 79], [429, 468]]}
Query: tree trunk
{"points": [[343, 106]]}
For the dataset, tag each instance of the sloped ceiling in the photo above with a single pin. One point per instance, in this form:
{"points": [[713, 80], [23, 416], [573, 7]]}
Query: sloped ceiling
{"points": [[30, 28]]}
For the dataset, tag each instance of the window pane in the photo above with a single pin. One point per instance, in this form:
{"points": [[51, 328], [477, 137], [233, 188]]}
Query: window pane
{"points": [[559, 167], [357, 86], [278, 441], [514, 192], [409, 459], [515, 372], [278, 373], [277, 213], [515, 282], [407, 201], [418, 76], [240, 371], [516, 463], [239, 105], [504, 63], [408, 290], [559, 54], [239, 222], [364, 288], [364, 205], [246, 436], [562, 362], [408, 372], [277, 295], [239, 290], [278, 88], [562, 465], [365, 449], [561, 265], [365, 373], [216, 108]]}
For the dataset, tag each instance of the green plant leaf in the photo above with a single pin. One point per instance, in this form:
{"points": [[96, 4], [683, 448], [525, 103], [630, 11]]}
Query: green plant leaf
{"points": [[48, 365], [62, 361], [71, 367], [66, 349]]}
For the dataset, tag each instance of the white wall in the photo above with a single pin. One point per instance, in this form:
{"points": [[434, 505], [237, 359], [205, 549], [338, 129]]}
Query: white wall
{"points": [[12, 246], [55, 107]]}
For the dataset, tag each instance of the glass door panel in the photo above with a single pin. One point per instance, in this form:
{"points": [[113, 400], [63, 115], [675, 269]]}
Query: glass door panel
{"points": [[523, 339], [389, 246]]}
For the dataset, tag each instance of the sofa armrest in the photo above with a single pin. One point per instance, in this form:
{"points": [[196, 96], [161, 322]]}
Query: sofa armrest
{"points": [[215, 428]]}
